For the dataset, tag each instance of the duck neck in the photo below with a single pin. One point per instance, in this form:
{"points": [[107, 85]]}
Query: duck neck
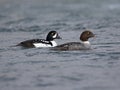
{"points": [[49, 39], [86, 44], [53, 43]]}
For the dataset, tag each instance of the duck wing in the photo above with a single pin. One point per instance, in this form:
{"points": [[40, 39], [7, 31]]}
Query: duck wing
{"points": [[70, 46], [30, 43]]}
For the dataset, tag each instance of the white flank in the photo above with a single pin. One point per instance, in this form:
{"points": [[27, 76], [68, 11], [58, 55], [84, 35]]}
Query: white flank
{"points": [[37, 45], [53, 43]]}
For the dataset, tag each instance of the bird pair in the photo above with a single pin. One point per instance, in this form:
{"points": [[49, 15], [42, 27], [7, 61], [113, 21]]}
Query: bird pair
{"points": [[52, 35]]}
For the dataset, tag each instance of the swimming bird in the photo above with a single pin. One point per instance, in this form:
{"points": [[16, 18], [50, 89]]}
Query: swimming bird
{"points": [[83, 45], [37, 43]]}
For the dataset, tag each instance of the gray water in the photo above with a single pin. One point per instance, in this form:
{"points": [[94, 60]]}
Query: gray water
{"points": [[45, 69]]}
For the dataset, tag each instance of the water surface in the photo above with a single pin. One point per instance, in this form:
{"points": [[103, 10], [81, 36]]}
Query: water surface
{"points": [[45, 69]]}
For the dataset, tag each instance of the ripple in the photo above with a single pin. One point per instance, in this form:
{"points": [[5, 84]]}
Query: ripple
{"points": [[71, 78], [45, 84], [6, 30], [23, 29], [30, 29], [34, 69], [5, 78], [2, 17], [98, 88], [23, 20]]}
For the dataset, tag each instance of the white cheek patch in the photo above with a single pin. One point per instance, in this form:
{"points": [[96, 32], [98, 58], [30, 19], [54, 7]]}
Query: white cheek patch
{"points": [[55, 36]]}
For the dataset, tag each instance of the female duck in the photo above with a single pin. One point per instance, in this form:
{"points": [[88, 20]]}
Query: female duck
{"points": [[83, 45]]}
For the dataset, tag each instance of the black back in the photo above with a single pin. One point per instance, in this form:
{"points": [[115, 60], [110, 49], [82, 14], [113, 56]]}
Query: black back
{"points": [[29, 43]]}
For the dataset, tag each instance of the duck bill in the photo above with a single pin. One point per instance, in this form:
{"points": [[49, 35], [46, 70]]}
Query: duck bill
{"points": [[58, 37], [93, 35]]}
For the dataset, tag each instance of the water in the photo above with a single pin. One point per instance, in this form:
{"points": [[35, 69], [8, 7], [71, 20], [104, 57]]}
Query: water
{"points": [[44, 69]]}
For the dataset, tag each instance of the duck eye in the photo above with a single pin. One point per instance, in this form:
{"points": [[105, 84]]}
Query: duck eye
{"points": [[88, 33], [52, 33]]}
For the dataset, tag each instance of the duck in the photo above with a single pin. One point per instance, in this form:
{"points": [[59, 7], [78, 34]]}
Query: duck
{"points": [[38, 43], [84, 44]]}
